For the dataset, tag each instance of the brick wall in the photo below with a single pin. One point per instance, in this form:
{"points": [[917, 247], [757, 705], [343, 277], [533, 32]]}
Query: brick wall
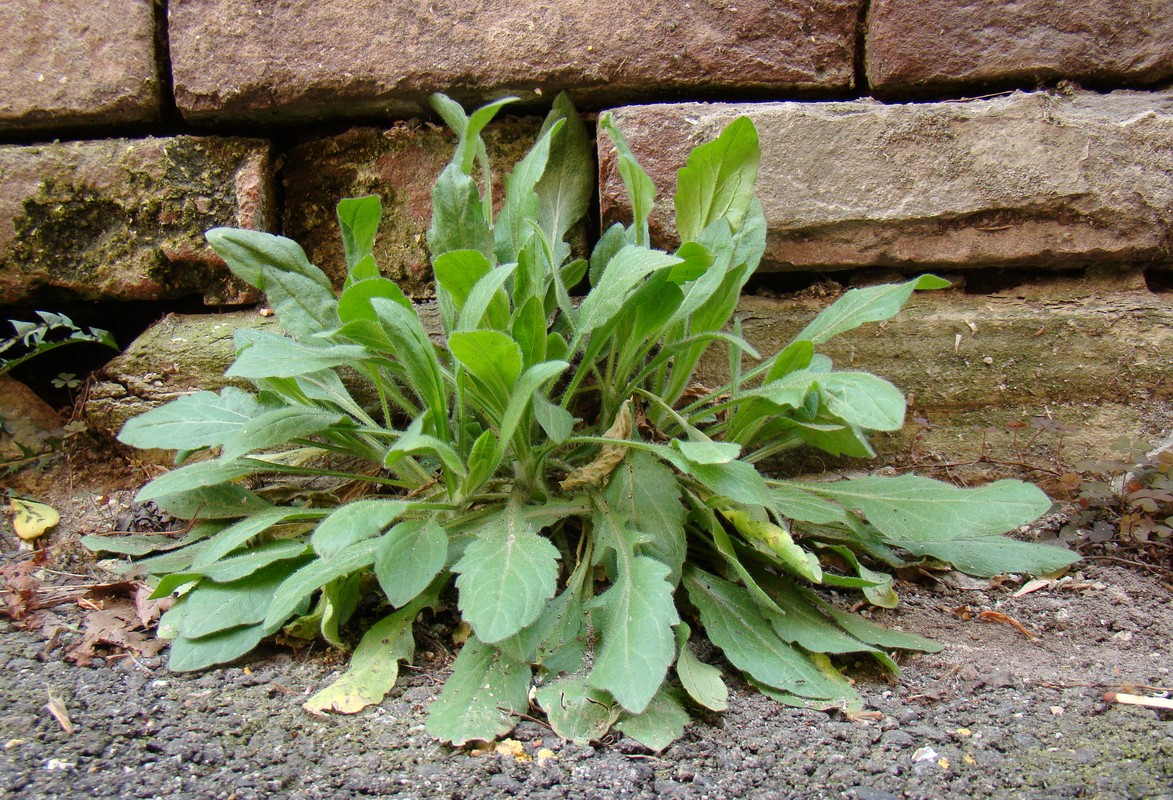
{"points": [[1025, 150]]}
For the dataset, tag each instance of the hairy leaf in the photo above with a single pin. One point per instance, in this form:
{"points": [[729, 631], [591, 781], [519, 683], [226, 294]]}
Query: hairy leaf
{"points": [[481, 695], [409, 556], [358, 217], [960, 526], [717, 181], [702, 681], [214, 607], [374, 667], [658, 725], [188, 655], [299, 292], [354, 522], [507, 574], [859, 306], [313, 576], [736, 624], [635, 619], [576, 711], [202, 419]]}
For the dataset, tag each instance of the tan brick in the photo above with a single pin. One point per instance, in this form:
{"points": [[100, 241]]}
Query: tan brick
{"points": [[1028, 180], [70, 64]]}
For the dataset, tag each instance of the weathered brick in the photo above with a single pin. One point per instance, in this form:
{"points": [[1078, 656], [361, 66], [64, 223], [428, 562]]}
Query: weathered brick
{"points": [[70, 64], [938, 46], [123, 219], [400, 165], [258, 60], [1025, 180]]}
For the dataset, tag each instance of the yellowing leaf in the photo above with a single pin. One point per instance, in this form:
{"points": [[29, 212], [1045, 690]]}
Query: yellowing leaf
{"points": [[31, 519]]}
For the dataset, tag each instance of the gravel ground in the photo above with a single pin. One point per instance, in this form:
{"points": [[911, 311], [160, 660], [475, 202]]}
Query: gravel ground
{"points": [[994, 715]]}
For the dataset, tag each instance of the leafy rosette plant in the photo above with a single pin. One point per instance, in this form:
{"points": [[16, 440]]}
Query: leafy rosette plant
{"points": [[552, 458]]}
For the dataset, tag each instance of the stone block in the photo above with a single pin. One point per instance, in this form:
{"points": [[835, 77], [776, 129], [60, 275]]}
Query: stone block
{"points": [[122, 219], [400, 165], [180, 354], [1101, 339], [938, 46], [1026, 180], [68, 64], [304, 59]]}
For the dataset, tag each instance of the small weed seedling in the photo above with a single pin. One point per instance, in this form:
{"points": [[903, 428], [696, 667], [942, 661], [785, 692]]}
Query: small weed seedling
{"points": [[552, 459]]}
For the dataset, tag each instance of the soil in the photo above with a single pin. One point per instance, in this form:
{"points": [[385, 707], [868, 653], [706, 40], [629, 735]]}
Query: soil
{"points": [[999, 713]]}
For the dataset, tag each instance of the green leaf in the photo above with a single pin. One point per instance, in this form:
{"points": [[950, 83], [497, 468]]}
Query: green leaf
{"points": [[359, 219], [737, 480], [717, 181], [529, 331], [141, 544], [707, 451], [414, 349], [862, 399], [313, 576], [354, 522], [622, 274], [264, 354], [279, 426], [232, 568], [374, 667], [640, 188], [804, 622], [610, 243], [480, 697], [568, 183], [560, 622], [645, 492], [222, 501], [214, 607], [521, 205], [458, 216], [734, 623], [409, 556], [859, 306], [792, 501], [355, 303], [492, 357], [659, 725], [202, 419], [702, 681], [457, 272], [194, 476], [525, 391], [960, 526], [635, 619], [188, 655], [470, 142], [506, 575], [487, 302], [577, 712], [556, 421], [338, 601], [243, 530], [300, 293]]}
